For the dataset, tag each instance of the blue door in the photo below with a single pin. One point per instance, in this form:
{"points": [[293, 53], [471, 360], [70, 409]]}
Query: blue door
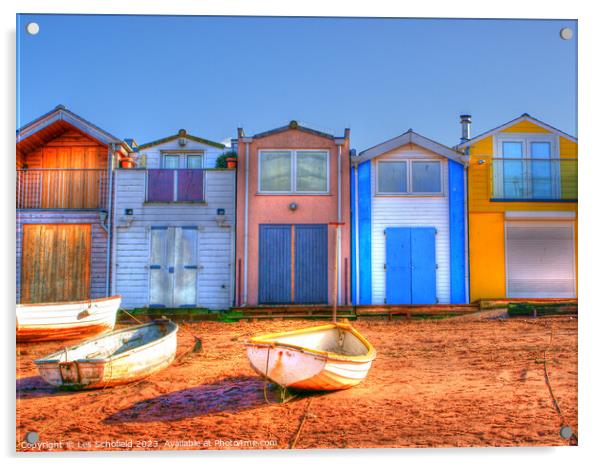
{"points": [[311, 264], [275, 264], [410, 266]]}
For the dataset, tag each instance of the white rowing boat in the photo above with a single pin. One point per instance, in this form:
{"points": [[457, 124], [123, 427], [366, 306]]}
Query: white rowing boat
{"points": [[116, 358], [61, 321], [328, 357]]}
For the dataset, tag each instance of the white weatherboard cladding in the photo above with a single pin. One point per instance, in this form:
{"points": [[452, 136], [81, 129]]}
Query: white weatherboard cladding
{"points": [[410, 211], [540, 259], [153, 154], [215, 243]]}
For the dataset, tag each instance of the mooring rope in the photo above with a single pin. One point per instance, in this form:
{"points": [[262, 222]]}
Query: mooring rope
{"points": [[549, 384], [303, 419]]}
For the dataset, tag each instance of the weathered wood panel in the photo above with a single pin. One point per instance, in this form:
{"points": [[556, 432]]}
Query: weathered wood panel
{"points": [[98, 246], [160, 185], [55, 263], [190, 185]]}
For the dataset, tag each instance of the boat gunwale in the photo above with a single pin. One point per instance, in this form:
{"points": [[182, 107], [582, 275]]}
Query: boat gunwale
{"points": [[261, 341], [64, 303], [110, 359]]}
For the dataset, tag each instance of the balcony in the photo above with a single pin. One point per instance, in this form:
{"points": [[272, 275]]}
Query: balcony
{"points": [[175, 185], [62, 188], [522, 179]]}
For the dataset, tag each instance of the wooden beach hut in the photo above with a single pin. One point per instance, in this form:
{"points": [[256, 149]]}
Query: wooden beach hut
{"points": [[522, 210], [175, 226], [408, 214], [64, 173], [292, 187]]}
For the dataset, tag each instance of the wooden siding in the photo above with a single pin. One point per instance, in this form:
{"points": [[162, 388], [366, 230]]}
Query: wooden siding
{"points": [[215, 243], [98, 247], [152, 156], [479, 186], [410, 211], [65, 188]]}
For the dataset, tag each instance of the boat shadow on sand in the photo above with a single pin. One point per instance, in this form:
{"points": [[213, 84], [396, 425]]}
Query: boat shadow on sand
{"points": [[229, 395], [36, 387]]}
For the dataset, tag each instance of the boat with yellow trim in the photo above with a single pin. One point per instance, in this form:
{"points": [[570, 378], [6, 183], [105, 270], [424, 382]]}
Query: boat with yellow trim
{"points": [[326, 357]]}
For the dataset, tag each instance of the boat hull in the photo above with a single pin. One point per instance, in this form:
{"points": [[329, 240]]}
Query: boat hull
{"points": [[124, 368], [307, 369], [63, 321]]}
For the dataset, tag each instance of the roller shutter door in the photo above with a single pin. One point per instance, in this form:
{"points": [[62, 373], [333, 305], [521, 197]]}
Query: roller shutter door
{"points": [[540, 259]]}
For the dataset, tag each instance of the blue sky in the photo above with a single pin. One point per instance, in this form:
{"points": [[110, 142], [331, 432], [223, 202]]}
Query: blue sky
{"points": [[147, 76]]}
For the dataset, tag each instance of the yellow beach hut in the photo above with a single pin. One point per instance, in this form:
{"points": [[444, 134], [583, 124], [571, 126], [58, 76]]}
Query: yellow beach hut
{"points": [[522, 210]]}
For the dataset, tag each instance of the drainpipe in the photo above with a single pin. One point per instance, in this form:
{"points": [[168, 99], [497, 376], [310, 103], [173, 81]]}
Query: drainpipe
{"points": [[466, 233], [339, 217], [109, 218], [357, 234], [246, 233]]}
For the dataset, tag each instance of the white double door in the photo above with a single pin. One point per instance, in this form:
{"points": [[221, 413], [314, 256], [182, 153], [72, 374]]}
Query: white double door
{"points": [[173, 266]]}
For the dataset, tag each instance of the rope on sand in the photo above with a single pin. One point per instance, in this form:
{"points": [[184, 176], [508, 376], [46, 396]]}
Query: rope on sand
{"points": [[573, 437], [293, 443]]}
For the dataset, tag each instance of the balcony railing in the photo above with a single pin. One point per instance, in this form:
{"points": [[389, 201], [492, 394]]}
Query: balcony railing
{"points": [[175, 185], [516, 179], [62, 188]]}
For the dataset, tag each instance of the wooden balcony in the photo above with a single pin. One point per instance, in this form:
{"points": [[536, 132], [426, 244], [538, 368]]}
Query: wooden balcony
{"points": [[175, 185], [62, 188], [522, 179]]}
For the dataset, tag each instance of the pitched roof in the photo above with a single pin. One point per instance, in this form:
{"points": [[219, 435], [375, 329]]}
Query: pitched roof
{"points": [[523, 117], [410, 137], [293, 125], [181, 134], [61, 114]]}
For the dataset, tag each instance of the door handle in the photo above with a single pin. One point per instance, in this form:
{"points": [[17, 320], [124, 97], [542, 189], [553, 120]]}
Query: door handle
{"points": [[171, 269]]}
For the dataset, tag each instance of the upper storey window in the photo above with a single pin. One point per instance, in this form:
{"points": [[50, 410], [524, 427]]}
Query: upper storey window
{"points": [[293, 171], [418, 177]]}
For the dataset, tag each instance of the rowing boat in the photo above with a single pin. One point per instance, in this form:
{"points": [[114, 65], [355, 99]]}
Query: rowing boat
{"points": [[327, 357], [62, 321], [115, 358]]}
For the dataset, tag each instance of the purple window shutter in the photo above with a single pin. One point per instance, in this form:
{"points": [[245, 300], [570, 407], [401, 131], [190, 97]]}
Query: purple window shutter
{"points": [[160, 185], [190, 185]]}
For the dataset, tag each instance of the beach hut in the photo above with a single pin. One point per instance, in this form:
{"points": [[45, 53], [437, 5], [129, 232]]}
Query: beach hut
{"points": [[174, 226], [522, 210], [408, 202], [64, 167], [292, 195]]}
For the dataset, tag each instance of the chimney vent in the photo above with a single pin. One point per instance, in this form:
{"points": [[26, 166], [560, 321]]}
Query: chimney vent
{"points": [[465, 121]]}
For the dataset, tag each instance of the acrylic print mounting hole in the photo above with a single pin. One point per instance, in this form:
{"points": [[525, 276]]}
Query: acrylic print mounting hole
{"points": [[32, 28]]}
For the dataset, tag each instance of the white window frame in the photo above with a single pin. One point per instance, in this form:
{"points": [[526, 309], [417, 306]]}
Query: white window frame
{"points": [[293, 162], [525, 139], [183, 157], [410, 192]]}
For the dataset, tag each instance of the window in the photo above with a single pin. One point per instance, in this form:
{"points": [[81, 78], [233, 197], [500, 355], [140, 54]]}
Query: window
{"points": [[171, 161], [409, 177], [526, 166], [426, 177], [276, 172], [393, 177], [303, 171], [312, 168], [184, 160], [194, 161]]}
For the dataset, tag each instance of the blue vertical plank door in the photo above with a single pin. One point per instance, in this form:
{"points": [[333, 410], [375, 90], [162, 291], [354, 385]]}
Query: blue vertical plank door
{"points": [[424, 266], [398, 284], [311, 264], [275, 264], [410, 265]]}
